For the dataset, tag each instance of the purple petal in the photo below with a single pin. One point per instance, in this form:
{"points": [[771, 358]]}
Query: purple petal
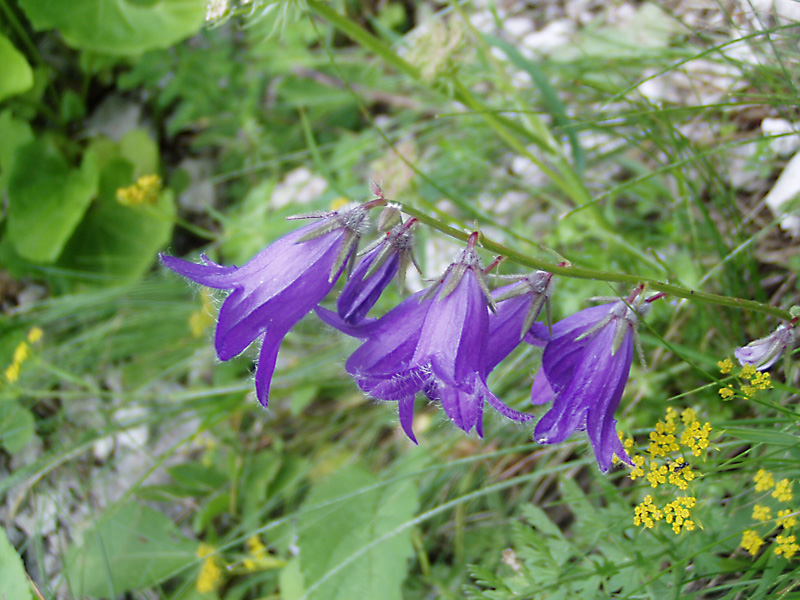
{"points": [[276, 293], [464, 409], [362, 329], [581, 391], [541, 392], [538, 335], [209, 274], [505, 328], [270, 345], [455, 333], [405, 409], [359, 295]]}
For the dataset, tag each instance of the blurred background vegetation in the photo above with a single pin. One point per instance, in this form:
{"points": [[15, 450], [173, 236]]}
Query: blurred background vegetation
{"points": [[635, 137]]}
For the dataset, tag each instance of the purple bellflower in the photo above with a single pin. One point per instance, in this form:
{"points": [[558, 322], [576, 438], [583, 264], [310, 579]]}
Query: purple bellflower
{"points": [[584, 370], [765, 352], [444, 346], [376, 270], [278, 286]]}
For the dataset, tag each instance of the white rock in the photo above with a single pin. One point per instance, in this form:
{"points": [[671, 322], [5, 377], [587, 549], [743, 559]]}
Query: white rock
{"points": [[785, 145], [518, 26], [200, 195], [782, 193], [300, 186], [555, 34]]}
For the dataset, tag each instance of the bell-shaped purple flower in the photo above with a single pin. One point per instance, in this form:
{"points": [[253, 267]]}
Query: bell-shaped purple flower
{"points": [[277, 287], [584, 370], [444, 346], [375, 271], [765, 352]]}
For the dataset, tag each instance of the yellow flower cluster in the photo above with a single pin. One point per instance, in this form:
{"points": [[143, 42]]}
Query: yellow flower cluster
{"points": [[751, 542], [782, 491], [751, 381], [666, 468], [786, 545], [203, 317], [677, 513], [258, 558], [144, 191], [210, 576], [647, 513], [21, 354]]}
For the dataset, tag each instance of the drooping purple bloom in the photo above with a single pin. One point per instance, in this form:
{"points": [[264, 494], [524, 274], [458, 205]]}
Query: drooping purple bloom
{"points": [[277, 287], [765, 352], [584, 371], [443, 346], [374, 272]]}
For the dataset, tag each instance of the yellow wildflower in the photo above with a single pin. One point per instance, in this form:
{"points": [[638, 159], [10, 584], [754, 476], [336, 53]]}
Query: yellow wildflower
{"points": [[783, 491], [21, 352], [210, 575], [680, 473], [761, 513], [751, 542], [144, 191], [12, 372], [657, 474], [762, 381], [726, 393], [695, 437], [763, 480], [747, 372], [785, 520], [725, 366], [662, 438], [677, 513], [646, 513], [35, 335], [339, 202], [638, 467], [786, 545]]}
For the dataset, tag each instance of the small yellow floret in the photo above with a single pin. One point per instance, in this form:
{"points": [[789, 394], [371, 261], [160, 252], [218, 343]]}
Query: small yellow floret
{"points": [[783, 491], [35, 335], [21, 352], [761, 513], [747, 372], [657, 474], [762, 381], [646, 513], [638, 467], [680, 473], [751, 542], [725, 366], [786, 545], [726, 393], [339, 202], [763, 480], [12, 372], [210, 575], [677, 512], [785, 520]]}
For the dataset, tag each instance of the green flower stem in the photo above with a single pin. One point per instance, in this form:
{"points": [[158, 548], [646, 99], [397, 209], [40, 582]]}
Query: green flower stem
{"points": [[584, 273]]}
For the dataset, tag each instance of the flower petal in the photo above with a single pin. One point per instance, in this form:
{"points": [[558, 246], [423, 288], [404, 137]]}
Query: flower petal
{"points": [[265, 368], [359, 295], [405, 409]]}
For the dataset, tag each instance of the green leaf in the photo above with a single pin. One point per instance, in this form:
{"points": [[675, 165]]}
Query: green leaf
{"points": [[129, 548], [352, 536], [777, 438], [118, 27], [16, 75], [13, 582], [14, 133], [116, 241], [17, 426], [47, 199]]}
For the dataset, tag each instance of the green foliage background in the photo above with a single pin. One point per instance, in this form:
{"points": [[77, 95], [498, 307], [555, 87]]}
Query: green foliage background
{"points": [[128, 451]]}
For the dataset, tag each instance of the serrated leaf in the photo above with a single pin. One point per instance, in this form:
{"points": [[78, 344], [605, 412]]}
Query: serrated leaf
{"points": [[118, 27], [16, 76], [13, 582], [539, 519], [130, 547], [351, 540], [47, 199]]}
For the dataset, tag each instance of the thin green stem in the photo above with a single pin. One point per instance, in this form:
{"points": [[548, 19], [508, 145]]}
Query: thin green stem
{"points": [[584, 273]]}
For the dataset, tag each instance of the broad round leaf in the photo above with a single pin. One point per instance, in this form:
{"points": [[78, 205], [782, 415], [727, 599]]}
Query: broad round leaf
{"points": [[16, 75], [120, 27]]}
